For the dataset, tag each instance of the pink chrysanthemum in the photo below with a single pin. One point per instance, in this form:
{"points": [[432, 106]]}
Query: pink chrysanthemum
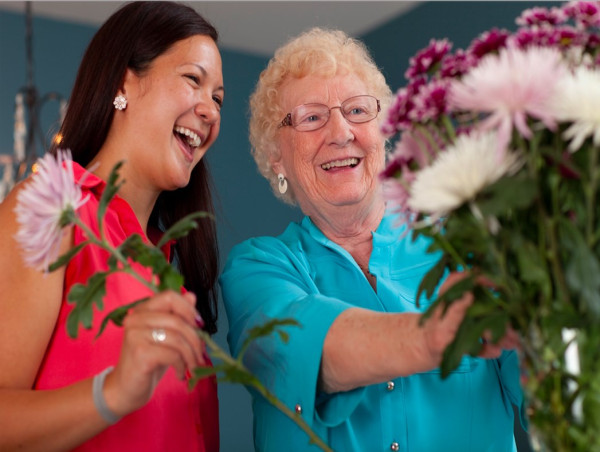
{"points": [[509, 87], [45, 206]]}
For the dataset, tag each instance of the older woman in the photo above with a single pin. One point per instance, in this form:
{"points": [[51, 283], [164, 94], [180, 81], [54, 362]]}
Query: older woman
{"points": [[359, 369]]}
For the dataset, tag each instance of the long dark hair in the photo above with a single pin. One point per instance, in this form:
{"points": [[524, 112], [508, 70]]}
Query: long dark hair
{"points": [[132, 38]]}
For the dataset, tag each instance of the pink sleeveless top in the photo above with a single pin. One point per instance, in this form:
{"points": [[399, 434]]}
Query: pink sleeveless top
{"points": [[175, 419]]}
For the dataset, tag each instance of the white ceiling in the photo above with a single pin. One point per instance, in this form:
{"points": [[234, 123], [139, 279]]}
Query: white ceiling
{"points": [[257, 27]]}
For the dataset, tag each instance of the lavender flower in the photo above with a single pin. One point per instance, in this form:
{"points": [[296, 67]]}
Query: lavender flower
{"points": [[45, 206]]}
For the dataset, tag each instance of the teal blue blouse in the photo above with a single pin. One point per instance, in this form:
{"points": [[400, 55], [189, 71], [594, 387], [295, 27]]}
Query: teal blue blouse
{"points": [[303, 275]]}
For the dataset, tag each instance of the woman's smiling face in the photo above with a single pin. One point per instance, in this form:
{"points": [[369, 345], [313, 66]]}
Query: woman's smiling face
{"points": [[174, 111], [338, 164]]}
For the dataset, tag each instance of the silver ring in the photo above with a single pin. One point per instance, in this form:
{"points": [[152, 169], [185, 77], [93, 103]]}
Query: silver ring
{"points": [[159, 335]]}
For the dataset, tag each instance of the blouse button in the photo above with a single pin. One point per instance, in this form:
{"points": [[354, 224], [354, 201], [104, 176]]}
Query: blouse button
{"points": [[298, 408], [390, 385], [395, 446]]}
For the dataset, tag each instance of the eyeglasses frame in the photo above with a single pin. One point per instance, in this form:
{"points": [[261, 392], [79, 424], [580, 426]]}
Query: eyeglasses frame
{"points": [[287, 121]]}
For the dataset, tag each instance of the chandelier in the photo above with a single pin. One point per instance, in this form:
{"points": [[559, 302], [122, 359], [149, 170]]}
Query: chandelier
{"points": [[28, 133]]}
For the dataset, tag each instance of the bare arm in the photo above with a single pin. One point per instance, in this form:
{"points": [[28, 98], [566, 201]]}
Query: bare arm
{"points": [[64, 418], [366, 347]]}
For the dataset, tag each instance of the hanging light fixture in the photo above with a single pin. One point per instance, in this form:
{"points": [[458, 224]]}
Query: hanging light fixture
{"points": [[28, 133]]}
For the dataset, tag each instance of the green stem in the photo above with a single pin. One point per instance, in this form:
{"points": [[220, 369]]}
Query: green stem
{"points": [[102, 243], [591, 196], [219, 353]]}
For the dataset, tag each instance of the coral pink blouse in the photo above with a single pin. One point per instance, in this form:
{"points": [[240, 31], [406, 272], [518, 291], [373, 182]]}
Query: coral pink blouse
{"points": [[176, 418]]}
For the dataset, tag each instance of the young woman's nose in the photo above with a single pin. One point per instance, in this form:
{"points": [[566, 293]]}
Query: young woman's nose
{"points": [[207, 109]]}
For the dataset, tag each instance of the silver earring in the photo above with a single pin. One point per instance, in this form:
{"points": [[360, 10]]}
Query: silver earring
{"points": [[120, 102], [282, 183]]}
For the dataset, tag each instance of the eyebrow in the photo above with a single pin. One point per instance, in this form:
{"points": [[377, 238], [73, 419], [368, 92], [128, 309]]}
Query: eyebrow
{"points": [[205, 73]]}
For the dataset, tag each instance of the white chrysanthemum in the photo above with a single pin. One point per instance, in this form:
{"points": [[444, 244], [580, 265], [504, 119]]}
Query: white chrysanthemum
{"points": [[577, 100], [459, 173], [43, 207]]}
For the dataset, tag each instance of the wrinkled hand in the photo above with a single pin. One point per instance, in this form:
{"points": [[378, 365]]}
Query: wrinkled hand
{"points": [[143, 360], [442, 328]]}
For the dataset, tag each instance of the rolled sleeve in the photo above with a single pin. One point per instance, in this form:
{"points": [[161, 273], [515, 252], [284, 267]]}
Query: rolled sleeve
{"points": [[262, 281]]}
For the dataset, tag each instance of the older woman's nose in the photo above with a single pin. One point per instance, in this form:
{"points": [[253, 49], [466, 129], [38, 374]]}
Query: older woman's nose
{"points": [[208, 110], [339, 128]]}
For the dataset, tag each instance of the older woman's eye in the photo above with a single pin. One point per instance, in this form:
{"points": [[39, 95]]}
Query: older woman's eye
{"points": [[218, 101]]}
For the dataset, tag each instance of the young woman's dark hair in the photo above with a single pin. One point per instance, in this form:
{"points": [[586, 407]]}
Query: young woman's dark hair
{"points": [[131, 39]]}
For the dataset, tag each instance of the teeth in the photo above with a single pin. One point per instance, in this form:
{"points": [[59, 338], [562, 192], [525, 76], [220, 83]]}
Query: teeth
{"points": [[339, 163], [192, 138]]}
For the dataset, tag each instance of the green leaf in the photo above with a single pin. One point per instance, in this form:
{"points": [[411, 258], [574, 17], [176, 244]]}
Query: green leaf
{"points": [[432, 279], [182, 227], [517, 192], [118, 315], [202, 372], [452, 294], [110, 190], [267, 329], [84, 296], [532, 266], [65, 258], [170, 278]]}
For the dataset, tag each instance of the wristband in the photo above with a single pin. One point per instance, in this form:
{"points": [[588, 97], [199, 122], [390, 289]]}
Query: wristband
{"points": [[98, 396]]}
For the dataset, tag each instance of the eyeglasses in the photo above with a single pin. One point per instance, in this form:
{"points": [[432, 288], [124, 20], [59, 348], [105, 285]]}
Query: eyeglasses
{"points": [[307, 117]]}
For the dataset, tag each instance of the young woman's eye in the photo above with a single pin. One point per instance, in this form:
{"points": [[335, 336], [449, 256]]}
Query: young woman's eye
{"points": [[218, 101], [194, 78]]}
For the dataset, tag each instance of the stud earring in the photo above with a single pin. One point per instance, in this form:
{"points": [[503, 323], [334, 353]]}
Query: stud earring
{"points": [[120, 102], [282, 183]]}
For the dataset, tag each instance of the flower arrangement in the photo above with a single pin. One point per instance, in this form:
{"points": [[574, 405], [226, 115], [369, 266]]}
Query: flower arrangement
{"points": [[48, 204], [498, 162]]}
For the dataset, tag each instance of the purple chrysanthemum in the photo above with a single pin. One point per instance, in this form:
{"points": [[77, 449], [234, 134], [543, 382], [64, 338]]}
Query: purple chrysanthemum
{"points": [[540, 17], [45, 206], [488, 42], [430, 102], [425, 61], [457, 64], [397, 116], [584, 14]]}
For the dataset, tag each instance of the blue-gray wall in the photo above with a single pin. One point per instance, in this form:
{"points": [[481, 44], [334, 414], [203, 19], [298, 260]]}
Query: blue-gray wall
{"points": [[245, 205]]}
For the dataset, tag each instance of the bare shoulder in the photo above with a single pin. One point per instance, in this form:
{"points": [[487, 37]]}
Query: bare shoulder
{"points": [[29, 303]]}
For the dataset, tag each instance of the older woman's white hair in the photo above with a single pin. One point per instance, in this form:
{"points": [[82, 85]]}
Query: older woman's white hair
{"points": [[320, 52]]}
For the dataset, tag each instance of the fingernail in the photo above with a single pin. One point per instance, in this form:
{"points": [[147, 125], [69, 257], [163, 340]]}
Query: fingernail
{"points": [[206, 357], [199, 321], [188, 374]]}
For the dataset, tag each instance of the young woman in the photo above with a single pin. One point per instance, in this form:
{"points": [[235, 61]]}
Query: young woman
{"points": [[149, 91]]}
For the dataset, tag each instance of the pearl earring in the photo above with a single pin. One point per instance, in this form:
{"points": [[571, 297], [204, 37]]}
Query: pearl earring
{"points": [[120, 102], [283, 185]]}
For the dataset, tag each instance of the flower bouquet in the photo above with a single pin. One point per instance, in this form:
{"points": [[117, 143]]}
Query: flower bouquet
{"points": [[497, 161], [48, 204]]}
